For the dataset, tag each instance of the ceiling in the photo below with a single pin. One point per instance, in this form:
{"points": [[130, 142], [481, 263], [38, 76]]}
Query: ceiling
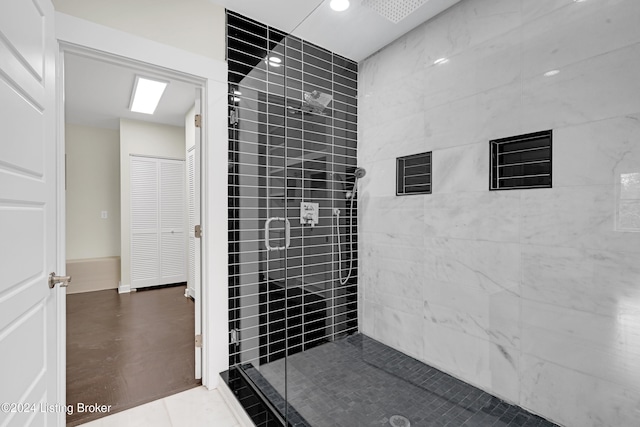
{"points": [[355, 33], [98, 92]]}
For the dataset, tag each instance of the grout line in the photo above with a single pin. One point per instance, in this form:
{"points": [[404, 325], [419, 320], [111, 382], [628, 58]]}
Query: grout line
{"points": [[166, 410]]}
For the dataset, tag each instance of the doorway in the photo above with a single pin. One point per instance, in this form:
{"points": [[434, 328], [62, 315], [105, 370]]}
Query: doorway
{"points": [[128, 347]]}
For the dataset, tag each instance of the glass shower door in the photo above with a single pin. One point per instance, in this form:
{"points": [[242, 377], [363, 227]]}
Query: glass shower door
{"points": [[277, 236], [292, 155], [259, 229], [319, 160]]}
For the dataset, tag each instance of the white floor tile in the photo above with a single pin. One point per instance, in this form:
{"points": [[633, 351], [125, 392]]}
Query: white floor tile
{"points": [[192, 408], [199, 407], [150, 414]]}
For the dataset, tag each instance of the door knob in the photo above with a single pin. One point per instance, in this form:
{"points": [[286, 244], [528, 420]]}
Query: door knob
{"points": [[63, 280]]}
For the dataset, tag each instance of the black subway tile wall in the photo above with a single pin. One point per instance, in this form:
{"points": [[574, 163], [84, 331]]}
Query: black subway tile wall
{"points": [[283, 151]]}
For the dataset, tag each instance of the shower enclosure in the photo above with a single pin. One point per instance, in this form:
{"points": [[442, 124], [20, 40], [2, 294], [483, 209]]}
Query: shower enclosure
{"points": [[292, 162], [297, 354]]}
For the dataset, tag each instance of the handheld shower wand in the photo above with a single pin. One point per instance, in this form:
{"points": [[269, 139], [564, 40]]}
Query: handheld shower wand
{"points": [[358, 173]]}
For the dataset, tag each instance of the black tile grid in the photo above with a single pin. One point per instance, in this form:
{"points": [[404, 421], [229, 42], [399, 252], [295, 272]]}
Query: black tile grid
{"points": [[253, 404], [357, 381], [281, 153], [294, 418]]}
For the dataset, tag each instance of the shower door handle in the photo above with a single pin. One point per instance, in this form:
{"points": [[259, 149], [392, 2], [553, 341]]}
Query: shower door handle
{"points": [[287, 231], [267, 224]]}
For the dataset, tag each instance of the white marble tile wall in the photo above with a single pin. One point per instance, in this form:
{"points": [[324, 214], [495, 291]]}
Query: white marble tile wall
{"points": [[532, 295]]}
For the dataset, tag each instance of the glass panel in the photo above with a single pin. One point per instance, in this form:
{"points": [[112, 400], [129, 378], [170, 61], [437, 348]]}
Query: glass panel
{"points": [[293, 137], [258, 227], [321, 140]]}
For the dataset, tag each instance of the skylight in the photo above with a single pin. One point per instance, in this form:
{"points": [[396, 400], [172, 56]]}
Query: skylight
{"points": [[146, 95]]}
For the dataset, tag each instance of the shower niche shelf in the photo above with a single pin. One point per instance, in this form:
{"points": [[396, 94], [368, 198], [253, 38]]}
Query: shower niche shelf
{"points": [[294, 161]]}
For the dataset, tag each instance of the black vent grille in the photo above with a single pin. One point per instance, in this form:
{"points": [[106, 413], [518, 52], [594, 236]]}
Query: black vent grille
{"points": [[413, 174], [521, 162]]}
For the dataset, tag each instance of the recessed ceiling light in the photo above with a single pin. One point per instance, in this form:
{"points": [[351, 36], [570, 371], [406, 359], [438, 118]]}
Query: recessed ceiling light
{"points": [[551, 73], [274, 61], [339, 5], [441, 61], [146, 95], [578, 1]]}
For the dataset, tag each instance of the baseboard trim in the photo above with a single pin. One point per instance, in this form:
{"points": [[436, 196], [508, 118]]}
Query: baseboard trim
{"points": [[123, 289], [190, 292], [93, 274]]}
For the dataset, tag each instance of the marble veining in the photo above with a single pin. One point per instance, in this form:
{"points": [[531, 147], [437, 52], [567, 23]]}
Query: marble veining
{"points": [[491, 266], [579, 217], [598, 282], [474, 311], [532, 295], [495, 217], [550, 41], [461, 169], [489, 65], [561, 100], [607, 148]]}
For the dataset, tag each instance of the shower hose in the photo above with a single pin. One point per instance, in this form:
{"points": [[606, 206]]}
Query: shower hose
{"points": [[353, 196]]}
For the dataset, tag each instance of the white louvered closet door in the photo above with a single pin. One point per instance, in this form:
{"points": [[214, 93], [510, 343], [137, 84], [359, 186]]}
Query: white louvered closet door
{"points": [[191, 214], [145, 238], [173, 239], [158, 240]]}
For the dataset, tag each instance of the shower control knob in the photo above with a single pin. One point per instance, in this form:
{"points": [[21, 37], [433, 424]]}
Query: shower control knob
{"points": [[309, 213]]}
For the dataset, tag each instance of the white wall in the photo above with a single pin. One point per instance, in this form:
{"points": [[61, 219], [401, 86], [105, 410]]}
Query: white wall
{"points": [[196, 26], [530, 294], [146, 139], [93, 186], [213, 75]]}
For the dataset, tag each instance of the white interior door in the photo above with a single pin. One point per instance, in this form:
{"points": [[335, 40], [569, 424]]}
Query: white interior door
{"points": [[31, 322], [195, 216], [173, 239]]}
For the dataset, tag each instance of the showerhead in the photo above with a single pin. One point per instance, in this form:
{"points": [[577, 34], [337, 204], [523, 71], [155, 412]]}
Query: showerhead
{"points": [[360, 172], [315, 101]]}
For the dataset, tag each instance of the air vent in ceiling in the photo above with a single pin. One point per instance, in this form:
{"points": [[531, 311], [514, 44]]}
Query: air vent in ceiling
{"points": [[394, 10]]}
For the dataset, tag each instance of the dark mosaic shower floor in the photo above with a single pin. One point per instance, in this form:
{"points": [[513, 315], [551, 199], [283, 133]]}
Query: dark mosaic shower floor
{"points": [[357, 381]]}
